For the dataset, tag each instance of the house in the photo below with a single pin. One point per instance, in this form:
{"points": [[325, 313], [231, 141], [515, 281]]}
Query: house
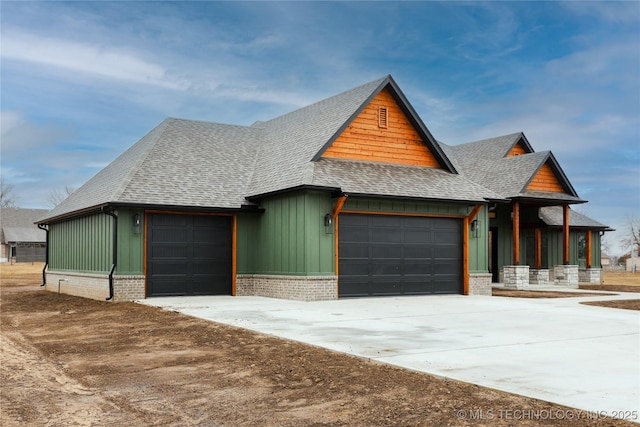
{"points": [[351, 196], [20, 239]]}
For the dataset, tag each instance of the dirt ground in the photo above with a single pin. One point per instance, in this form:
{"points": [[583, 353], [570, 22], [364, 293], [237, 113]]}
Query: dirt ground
{"points": [[69, 361], [617, 281]]}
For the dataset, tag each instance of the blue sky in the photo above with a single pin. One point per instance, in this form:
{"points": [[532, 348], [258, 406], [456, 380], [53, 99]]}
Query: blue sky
{"points": [[83, 81]]}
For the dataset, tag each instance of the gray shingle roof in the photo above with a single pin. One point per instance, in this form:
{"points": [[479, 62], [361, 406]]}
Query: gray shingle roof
{"points": [[179, 163], [553, 216], [185, 163], [485, 162], [17, 225], [357, 177], [291, 141], [195, 164], [491, 148]]}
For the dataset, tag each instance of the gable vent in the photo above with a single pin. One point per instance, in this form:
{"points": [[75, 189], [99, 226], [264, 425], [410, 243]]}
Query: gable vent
{"points": [[383, 117]]}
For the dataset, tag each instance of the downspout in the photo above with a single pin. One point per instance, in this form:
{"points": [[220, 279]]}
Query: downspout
{"points": [[46, 254], [115, 250]]}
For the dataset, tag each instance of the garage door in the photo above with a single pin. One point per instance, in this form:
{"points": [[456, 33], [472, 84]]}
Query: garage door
{"points": [[399, 255], [188, 255]]}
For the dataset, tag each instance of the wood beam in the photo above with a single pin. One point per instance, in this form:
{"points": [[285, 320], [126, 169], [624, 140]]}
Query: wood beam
{"points": [[336, 211], [474, 213], [589, 242], [538, 245], [338, 206], [565, 234], [516, 232]]}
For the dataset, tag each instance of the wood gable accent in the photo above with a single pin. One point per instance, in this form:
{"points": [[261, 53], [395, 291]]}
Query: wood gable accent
{"points": [[546, 180], [392, 139], [517, 150]]}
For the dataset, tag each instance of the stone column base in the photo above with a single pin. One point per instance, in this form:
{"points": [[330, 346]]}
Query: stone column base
{"points": [[516, 276], [566, 275], [590, 275], [539, 277]]}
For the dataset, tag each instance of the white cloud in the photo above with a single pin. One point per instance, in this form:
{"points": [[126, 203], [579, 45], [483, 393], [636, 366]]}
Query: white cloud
{"points": [[91, 59], [616, 12], [20, 135]]}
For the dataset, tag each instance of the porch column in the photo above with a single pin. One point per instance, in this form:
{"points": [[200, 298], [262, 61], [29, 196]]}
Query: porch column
{"points": [[588, 248], [516, 233], [565, 234]]}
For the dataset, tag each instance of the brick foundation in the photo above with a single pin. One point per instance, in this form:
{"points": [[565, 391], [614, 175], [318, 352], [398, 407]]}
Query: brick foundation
{"points": [[516, 276], [300, 288], [566, 275], [480, 284], [96, 285], [128, 288]]}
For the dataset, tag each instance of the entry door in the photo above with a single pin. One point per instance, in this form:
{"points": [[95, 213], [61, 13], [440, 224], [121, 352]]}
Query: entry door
{"points": [[189, 254], [399, 255], [493, 254]]}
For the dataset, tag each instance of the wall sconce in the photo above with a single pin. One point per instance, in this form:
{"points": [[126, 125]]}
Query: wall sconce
{"points": [[475, 228], [328, 223], [136, 224]]}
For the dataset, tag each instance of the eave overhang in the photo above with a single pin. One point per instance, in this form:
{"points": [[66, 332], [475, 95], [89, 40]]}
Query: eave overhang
{"points": [[249, 208]]}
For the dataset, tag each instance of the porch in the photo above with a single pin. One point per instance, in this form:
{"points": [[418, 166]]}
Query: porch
{"points": [[533, 244]]}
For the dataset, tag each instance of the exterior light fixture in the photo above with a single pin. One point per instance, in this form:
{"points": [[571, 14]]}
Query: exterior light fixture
{"points": [[136, 224], [328, 223], [475, 228]]}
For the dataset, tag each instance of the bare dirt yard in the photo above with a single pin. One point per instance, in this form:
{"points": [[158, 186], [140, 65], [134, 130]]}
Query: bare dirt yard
{"points": [[69, 361], [613, 281], [617, 281]]}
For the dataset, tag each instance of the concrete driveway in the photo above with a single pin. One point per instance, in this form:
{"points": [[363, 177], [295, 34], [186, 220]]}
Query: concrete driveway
{"points": [[552, 349]]}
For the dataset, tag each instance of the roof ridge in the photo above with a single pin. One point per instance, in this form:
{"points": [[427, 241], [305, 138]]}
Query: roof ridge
{"points": [[143, 156], [314, 104], [206, 122], [259, 142], [484, 140]]}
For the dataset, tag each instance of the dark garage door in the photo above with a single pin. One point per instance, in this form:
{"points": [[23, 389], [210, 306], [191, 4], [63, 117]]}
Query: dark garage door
{"points": [[188, 255], [399, 255]]}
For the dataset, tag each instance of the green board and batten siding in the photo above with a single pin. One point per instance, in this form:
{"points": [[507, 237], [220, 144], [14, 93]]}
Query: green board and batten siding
{"points": [[84, 244], [289, 238], [130, 243]]}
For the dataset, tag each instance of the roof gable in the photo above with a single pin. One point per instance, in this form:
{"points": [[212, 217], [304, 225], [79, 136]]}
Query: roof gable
{"points": [[381, 132], [520, 147], [487, 149], [550, 178], [402, 105], [290, 142]]}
